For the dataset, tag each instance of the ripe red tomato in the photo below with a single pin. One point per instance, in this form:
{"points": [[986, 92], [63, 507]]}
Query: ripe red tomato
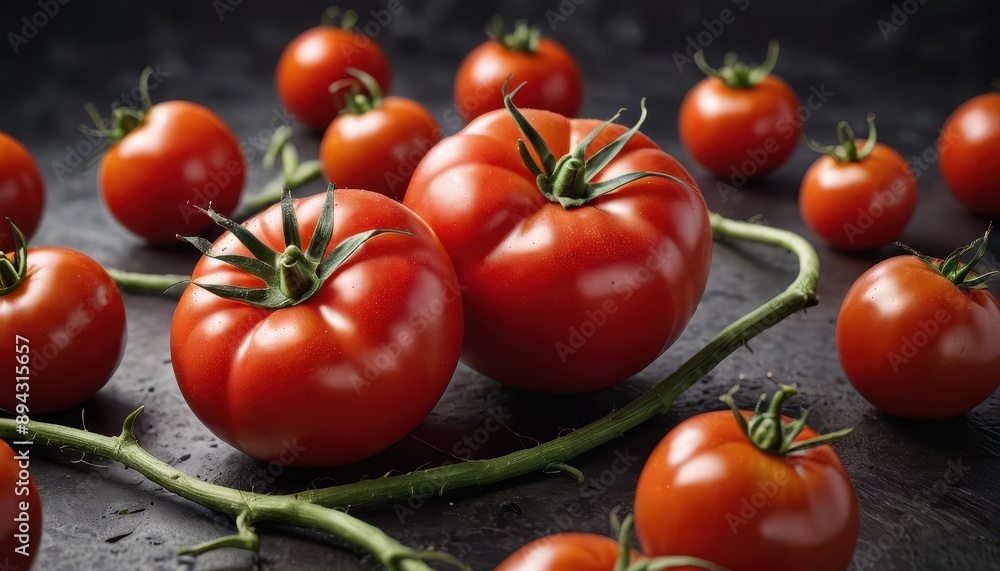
{"points": [[22, 190], [708, 491], [858, 198], [969, 145], [562, 298], [179, 155], [345, 371], [376, 143], [20, 509], [740, 122], [564, 552], [553, 78], [919, 342], [319, 57], [69, 319]]}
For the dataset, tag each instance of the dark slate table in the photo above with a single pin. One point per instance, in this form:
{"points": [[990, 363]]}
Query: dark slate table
{"points": [[927, 491]]}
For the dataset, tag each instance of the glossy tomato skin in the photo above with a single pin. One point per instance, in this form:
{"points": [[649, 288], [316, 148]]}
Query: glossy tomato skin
{"points": [[969, 145], [22, 191], [378, 150], [552, 75], [859, 205], [564, 552], [341, 376], [72, 314], [182, 156], [20, 512], [561, 300], [706, 491], [915, 345], [740, 133], [318, 57]]}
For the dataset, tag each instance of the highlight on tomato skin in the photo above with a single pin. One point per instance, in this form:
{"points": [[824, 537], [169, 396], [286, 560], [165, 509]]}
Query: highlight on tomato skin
{"points": [[23, 196], [968, 146]]}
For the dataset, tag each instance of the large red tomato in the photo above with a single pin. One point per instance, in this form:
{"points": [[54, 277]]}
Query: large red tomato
{"points": [[858, 198], [22, 190], [317, 369], [740, 122], [918, 338], [68, 318], [565, 289], [172, 157], [553, 78], [20, 510], [710, 491], [376, 143], [320, 57], [969, 146]]}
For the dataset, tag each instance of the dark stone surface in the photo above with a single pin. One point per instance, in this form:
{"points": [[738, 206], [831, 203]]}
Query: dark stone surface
{"points": [[927, 491]]}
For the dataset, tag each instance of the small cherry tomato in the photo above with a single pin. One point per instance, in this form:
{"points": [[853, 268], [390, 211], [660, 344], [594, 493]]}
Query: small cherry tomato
{"points": [[749, 492], [324, 354], [590, 552], [169, 159], [68, 319], [969, 147], [858, 198], [22, 190], [376, 143], [564, 552], [740, 122], [20, 511], [918, 337], [553, 78], [320, 57]]}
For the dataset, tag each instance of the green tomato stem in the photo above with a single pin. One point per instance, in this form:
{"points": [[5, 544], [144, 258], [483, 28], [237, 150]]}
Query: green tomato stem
{"points": [[303, 174], [146, 283], [315, 508]]}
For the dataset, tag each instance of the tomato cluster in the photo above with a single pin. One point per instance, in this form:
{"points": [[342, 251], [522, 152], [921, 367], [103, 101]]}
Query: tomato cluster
{"points": [[530, 245]]}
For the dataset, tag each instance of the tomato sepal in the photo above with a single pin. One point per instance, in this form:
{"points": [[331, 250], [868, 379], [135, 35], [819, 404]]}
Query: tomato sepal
{"points": [[567, 181], [356, 102], [124, 120], [624, 563], [955, 270], [524, 38], [334, 17], [847, 150], [292, 276], [735, 73], [769, 432], [13, 272]]}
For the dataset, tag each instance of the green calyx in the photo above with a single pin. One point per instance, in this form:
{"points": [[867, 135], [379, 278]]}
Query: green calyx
{"points": [[769, 432], [337, 18], [293, 275], [957, 271], [524, 38], [625, 563], [847, 151], [123, 119], [567, 181], [737, 74], [12, 272], [356, 101]]}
